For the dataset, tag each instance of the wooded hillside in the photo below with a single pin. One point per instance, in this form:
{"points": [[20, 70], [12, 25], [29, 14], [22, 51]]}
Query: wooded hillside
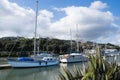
{"points": [[20, 46]]}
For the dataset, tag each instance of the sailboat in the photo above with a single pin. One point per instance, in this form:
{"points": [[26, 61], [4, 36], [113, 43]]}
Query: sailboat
{"points": [[27, 62], [73, 57], [41, 54]]}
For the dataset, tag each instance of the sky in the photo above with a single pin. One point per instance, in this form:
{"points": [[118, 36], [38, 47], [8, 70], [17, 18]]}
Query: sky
{"points": [[91, 20]]}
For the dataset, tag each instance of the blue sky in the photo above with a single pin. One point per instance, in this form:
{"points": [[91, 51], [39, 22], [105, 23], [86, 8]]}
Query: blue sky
{"points": [[113, 6], [48, 4], [97, 20]]}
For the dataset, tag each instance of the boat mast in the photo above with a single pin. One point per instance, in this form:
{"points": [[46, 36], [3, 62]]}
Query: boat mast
{"points": [[70, 40], [77, 39], [38, 46], [35, 27]]}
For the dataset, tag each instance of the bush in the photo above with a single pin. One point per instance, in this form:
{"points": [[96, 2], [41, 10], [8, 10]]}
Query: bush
{"points": [[98, 69]]}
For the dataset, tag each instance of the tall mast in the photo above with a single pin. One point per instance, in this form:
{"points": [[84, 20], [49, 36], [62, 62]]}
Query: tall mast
{"points": [[35, 27], [70, 40], [38, 46], [77, 39]]}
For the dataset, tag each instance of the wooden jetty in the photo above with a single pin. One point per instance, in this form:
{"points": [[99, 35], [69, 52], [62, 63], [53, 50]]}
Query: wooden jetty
{"points": [[4, 66]]}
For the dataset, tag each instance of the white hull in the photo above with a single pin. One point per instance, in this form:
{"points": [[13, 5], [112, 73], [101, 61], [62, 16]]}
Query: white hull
{"points": [[70, 60], [111, 55], [74, 57], [25, 64]]}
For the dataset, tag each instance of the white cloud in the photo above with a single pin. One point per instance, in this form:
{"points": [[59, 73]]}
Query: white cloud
{"points": [[98, 5], [20, 21], [15, 19], [94, 24]]}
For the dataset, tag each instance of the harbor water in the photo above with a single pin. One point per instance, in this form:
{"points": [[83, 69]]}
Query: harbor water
{"points": [[41, 73]]}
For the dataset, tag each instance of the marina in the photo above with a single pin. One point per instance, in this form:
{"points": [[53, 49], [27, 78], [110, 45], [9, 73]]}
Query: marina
{"points": [[59, 40], [40, 73]]}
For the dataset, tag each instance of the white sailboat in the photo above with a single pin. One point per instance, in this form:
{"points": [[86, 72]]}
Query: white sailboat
{"points": [[74, 57], [30, 62], [27, 62]]}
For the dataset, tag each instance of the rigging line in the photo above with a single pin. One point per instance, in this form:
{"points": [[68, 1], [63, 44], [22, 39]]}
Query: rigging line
{"points": [[22, 47], [13, 47]]}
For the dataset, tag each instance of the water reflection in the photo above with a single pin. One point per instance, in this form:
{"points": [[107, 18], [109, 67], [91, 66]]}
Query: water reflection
{"points": [[71, 65], [44, 73]]}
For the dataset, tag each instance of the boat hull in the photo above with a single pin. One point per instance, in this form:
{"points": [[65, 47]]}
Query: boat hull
{"points": [[73, 57], [30, 64], [71, 60]]}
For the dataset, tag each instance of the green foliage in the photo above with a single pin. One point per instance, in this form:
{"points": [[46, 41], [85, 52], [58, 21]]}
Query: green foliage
{"points": [[98, 69], [76, 74], [54, 45]]}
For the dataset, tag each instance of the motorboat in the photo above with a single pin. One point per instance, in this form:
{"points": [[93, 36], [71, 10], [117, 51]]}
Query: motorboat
{"points": [[111, 52]]}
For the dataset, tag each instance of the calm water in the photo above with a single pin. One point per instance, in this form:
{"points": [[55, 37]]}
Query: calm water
{"points": [[43, 73]]}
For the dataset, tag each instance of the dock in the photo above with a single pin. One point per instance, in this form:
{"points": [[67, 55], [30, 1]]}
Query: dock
{"points": [[4, 66]]}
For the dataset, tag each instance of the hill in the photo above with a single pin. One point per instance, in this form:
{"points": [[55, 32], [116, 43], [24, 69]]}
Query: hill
{"points": [[20, 46]]}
